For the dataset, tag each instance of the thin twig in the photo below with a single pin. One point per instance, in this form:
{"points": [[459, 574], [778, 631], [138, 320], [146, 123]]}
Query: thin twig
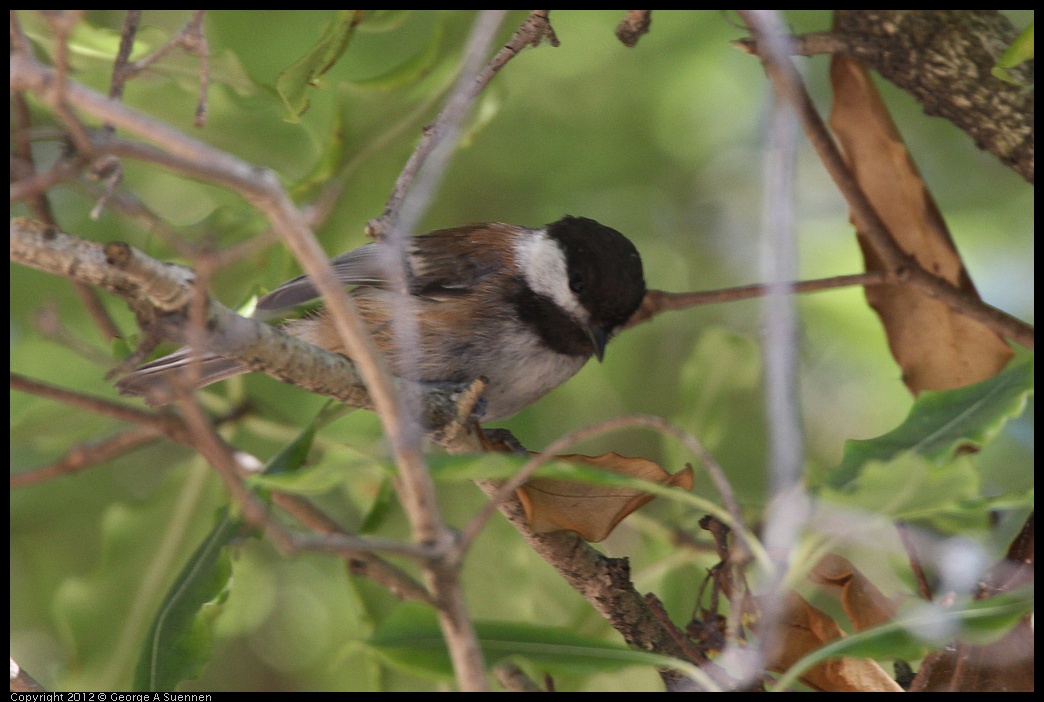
{"points": [[49, 325], [442, 575], [923, 588], [514, 679], [657, 301], [119, 64], [357, 551], [36, 196], [360, 563], [634, 24], [165, 424], [536, 27], [62, 23], [604, 582], [190, 38], [85, 456], [811, 44]]}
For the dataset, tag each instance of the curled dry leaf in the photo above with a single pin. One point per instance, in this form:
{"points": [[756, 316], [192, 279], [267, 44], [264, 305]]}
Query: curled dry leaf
{"points": [[803, 629], [865, 605], [936, 347], [591, 510]]}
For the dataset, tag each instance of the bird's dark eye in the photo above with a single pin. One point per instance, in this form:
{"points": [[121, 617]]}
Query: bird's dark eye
{"points": [[576, 283]]}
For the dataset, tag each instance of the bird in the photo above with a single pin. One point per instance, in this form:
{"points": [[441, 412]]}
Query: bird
{"points": [[523, 308]]}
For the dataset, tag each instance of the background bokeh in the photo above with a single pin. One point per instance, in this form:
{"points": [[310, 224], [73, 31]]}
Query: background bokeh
{"points": [[662, 142]]}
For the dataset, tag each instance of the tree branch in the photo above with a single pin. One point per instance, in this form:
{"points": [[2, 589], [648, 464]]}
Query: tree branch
{"points": [[944, 58], [161, 294]]}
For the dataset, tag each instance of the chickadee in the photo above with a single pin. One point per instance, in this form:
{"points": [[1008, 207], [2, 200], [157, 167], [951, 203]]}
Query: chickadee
{"points": [[524, 308]]}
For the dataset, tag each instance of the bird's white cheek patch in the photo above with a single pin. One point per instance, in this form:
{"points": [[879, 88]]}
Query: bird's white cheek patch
{"points": [[544, 266]]}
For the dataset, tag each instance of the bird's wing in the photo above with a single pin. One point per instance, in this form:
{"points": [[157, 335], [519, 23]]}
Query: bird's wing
{"points": [[356, 267], [443, 263]]}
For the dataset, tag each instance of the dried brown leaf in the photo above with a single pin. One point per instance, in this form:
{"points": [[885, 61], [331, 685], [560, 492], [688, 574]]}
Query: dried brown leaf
{"points": [[865, 605], [936, 348], [804, 629], [593, 511]]}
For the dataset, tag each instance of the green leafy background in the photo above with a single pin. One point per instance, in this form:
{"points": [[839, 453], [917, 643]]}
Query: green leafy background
{"points": [[662, 142]]}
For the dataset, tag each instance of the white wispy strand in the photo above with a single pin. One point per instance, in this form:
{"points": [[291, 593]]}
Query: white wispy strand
{"points": [[394, 246]]}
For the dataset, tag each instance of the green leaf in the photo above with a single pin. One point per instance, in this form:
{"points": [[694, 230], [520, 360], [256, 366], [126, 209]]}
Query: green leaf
{"points": [[941, 424], [465, 468], [380, 508], [720, 387], [179, 642], [286, 471], [94, 48], [292, 457], [327, 167], [330, 471], [1020, 51], [913, 489], [978, 621], [122, 348], [305, 73], [486, 110], [378, 21], [410, 640], [411, 70], [90, 46]]}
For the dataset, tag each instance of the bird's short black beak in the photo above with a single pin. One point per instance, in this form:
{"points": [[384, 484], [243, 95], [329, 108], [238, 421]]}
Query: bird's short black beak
{"points": [[599, 338]]}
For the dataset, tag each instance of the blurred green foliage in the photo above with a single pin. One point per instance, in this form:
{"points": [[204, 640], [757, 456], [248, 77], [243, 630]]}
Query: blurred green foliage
{"points": [[662, 141]]}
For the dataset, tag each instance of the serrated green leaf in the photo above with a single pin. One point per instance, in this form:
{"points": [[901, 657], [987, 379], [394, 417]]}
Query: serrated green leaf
{"points": [[294, 81], [978, 621], [941, 423], [179, 642], [911, 488], [410, 640]]}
